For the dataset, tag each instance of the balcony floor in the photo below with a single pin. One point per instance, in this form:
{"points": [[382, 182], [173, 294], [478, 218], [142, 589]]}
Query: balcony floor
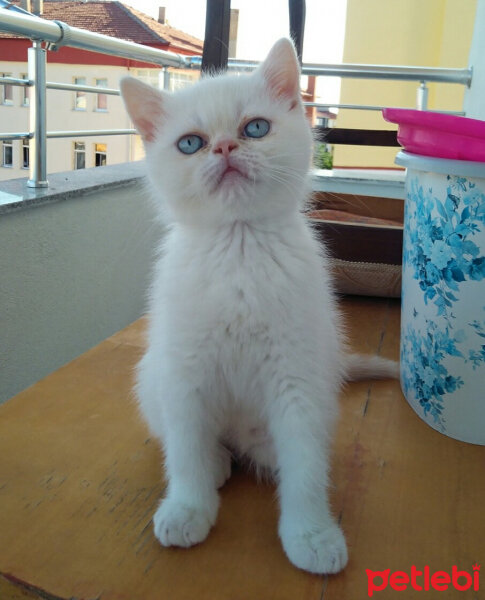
{"points": [[80, 479]]}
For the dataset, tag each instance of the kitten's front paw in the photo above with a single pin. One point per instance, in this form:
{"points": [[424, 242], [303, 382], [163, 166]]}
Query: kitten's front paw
{"points": [[323, 551], [177, 524]]}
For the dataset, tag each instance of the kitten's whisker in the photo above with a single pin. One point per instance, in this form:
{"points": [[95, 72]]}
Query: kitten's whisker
{"points": [[286, 183], [293, 177], [288, 170]]}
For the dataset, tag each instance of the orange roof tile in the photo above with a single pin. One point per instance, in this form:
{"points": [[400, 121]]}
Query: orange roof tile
{"points": [[173, 36], [117, 20]]}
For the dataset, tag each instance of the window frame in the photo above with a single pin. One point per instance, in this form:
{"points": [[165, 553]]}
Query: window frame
{"points": [[79, 96], [78, 152], [99, 108], [25, 146], [7, 144], [6, 99], [149, 76], [101, 153]]}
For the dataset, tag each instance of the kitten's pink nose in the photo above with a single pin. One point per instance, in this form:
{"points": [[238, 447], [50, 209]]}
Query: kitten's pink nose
{"points": [[225, 147]]}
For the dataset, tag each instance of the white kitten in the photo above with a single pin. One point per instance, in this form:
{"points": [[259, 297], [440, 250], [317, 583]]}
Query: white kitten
{"points": [[244, 351]]}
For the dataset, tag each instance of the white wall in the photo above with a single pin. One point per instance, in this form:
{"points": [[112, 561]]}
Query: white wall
{"points": [[73, 272]]}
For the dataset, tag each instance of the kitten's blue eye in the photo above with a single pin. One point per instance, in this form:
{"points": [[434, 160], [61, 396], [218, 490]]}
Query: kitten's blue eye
{"points": [[189, 144], [257, 128]]}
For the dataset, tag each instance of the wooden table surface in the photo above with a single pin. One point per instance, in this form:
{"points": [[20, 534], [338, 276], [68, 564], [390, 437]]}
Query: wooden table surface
{"points": [[80, 479]]}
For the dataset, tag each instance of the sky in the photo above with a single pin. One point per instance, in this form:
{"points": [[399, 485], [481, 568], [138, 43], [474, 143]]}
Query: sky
{"points": [[261, 23]]}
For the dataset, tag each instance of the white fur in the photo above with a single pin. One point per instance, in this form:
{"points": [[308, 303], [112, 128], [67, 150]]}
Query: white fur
{"points": [[244, 353]]}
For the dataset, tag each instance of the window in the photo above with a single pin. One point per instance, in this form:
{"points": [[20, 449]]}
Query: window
{"points": [[79, 155], [7, 154], [156, 78], [25, 91], [6, 91], [80, 97], [178, 81], [101, 99], [25, 162], [100, 155], [150, 76]]}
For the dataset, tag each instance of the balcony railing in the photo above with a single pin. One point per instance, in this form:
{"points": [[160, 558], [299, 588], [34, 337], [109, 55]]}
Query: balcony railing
{"points": [[51, 35]]}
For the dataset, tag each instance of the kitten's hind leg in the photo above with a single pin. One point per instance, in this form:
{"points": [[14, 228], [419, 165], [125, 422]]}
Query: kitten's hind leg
{"points": [[194, 470], [311, 538]]}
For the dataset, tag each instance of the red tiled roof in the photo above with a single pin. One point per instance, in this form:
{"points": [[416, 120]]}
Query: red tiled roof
{"points": [[117, 20], [173, 36]]}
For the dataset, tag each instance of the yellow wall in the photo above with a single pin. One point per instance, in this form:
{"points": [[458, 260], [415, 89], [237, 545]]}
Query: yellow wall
{"points": [[434, 33]]}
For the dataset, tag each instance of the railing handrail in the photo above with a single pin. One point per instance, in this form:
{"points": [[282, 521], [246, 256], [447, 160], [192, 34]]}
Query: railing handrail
{"points": [[375, 107], [59, 34], [363, 71], [89, 133], [74, 87], [22, 135], [57, 85], [14, 81], [391, 72]]}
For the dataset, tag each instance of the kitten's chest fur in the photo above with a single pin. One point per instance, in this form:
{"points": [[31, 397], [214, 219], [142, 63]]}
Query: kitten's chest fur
{"points": [[241, 280], [240, 294]]}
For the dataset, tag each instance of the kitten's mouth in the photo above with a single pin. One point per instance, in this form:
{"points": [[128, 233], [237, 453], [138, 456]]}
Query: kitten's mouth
{"points": [[231, 170], [231, 174]]}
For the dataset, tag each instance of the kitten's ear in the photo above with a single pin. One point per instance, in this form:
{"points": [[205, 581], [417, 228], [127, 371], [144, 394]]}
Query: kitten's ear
{"points": [[144, 105], [281, 71]]}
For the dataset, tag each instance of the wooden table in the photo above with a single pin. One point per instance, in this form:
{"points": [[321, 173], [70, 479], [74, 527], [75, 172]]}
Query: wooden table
{"points": [[80, 479]]}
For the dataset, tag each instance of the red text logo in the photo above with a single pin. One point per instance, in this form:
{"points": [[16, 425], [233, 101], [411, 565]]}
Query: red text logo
{"points": [[423, 580]]}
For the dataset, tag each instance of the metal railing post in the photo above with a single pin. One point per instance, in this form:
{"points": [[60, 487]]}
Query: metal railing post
{"points": [[422, 96], [38, 149]]}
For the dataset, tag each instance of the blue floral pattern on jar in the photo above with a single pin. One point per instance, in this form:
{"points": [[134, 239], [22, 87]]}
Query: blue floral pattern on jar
{"points": [[443, 255]]}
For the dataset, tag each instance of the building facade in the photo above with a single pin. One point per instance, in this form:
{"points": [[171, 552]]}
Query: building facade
{"points": [[75, 111]]}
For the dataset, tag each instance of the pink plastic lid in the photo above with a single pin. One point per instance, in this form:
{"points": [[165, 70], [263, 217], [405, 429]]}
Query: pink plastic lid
{"points": [[438, 135]]}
